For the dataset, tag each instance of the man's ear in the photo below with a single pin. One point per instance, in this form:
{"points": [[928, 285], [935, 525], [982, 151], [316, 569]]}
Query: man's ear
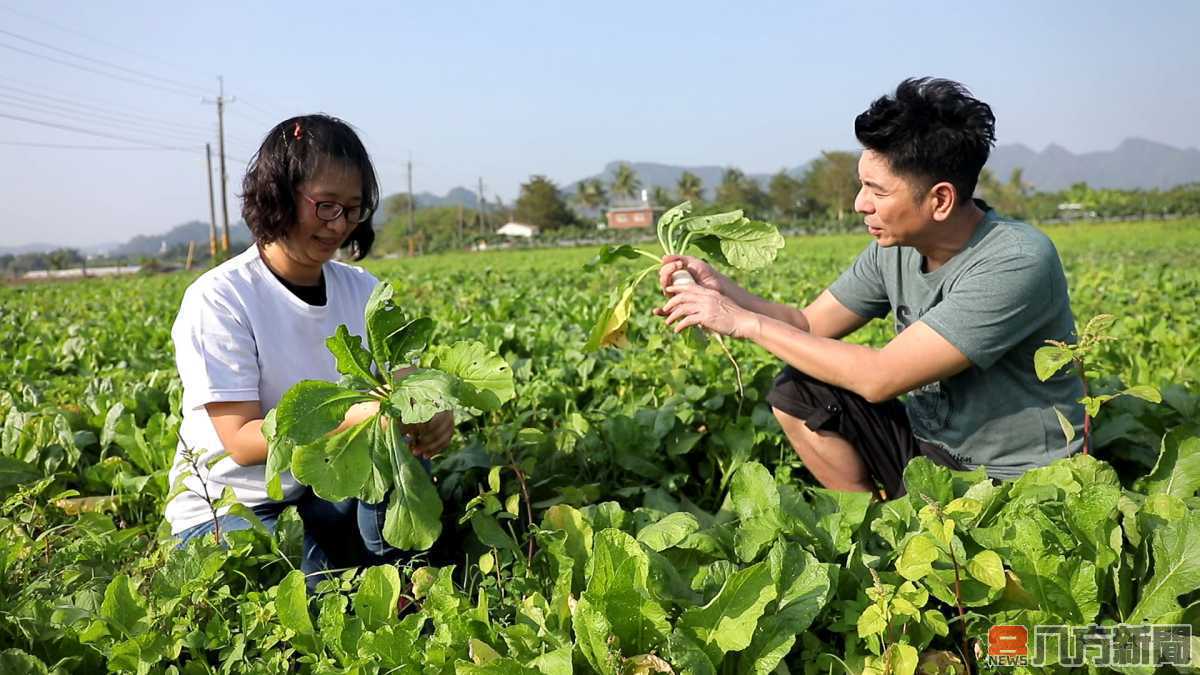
{"points": [[943, 197]]}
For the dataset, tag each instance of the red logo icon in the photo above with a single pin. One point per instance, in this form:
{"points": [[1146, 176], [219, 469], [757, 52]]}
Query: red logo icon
{"points": [[1008, 641]]}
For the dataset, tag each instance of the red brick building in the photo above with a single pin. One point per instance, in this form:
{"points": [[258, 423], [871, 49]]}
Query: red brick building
{"points": [[628, 217]]}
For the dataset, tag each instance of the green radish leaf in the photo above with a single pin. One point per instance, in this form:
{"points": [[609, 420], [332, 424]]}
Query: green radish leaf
{"points": [[1176, 552], [756, 500], [353, 360], [13, 472], [669, 531], [485, 378], [337, 466], [1049, 360], [610, 254], [1177, 470], [422, 394], [377, 595], [123, 609], [279, 455], [291, 605], [414, 515], [711, 248], [313, 408], [727, 622], [394, 338], [746, 244]]}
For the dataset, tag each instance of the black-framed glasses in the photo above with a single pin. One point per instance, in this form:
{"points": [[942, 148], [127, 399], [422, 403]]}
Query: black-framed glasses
{"points": [[330, 211]]}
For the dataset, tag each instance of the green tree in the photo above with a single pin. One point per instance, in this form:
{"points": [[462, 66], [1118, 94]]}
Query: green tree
{"points": [[63, 258], [786, 195], [591, 193], [737, 190], [661, 197], [832, 182], [626, 182], [393, 206], [690, 187], [541, 204]]}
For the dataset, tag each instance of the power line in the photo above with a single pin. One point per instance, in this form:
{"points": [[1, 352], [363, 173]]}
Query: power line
{"points": [[128, 125], [102, 62], [94, 107], [98, 72], [93, 38], [93, 132], [69, 146]]}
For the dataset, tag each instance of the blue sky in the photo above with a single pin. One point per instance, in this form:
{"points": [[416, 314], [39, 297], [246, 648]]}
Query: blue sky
{"points": [[505, 90]]}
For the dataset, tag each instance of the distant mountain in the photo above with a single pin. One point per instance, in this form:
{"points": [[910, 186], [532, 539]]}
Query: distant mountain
{"points": [[195, 230], [455, 197], [42, 247], [1134, 164]]}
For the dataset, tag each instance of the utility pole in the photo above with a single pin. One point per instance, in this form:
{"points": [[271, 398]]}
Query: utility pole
{"points": [[479, 207], [212, 208], [411, 200], [221, 101], [460, 225]]}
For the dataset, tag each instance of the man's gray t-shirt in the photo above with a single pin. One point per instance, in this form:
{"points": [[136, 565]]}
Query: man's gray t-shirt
{"points": [[997, 301]]}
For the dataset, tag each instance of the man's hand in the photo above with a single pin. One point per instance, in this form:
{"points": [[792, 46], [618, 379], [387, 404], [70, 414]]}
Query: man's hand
{"points": [[701, 271], [432, 437], [693, 305]]}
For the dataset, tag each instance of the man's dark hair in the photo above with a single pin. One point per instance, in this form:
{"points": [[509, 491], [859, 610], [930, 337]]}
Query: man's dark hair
{"points": [[931, 130], [293, 152]]}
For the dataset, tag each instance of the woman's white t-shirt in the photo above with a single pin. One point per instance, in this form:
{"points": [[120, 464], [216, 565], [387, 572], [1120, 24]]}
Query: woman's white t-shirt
{"points": [[242, 336]]}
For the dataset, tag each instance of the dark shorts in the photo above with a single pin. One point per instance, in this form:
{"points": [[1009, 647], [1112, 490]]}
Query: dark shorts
{"points": [[879, 431]]}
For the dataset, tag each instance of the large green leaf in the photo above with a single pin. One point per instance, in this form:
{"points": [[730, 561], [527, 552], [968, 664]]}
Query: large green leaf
{"points": [[14, 472], [394, 337], [413, 519], [279, 455], [592, 631], [422, 394], [669, 531], [313, 408], [1176, 549], [377, 595], [1049, 360], [756, 500], [619, 570], [291, 605], [747, 244], [123, 609], [611, 254], [486, 379], [353, 360], [728, 621], [1177, 471], [337, 466]]}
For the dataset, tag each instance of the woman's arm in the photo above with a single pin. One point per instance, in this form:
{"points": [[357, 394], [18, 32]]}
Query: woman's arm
{"points": [[239, 426]]}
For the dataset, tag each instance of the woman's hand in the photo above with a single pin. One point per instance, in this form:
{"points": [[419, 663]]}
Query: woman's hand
{"points": [[695, 305], [432, 437]]}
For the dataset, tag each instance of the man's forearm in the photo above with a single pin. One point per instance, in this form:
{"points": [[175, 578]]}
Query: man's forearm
{"points": [[789, 315], [849, 366]]}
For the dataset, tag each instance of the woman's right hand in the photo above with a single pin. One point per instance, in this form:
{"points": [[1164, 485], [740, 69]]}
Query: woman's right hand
{"points": [[701, 272]]}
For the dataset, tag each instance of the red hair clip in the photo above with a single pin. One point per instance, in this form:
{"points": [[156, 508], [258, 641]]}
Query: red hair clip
{"points": [[297, 132]]}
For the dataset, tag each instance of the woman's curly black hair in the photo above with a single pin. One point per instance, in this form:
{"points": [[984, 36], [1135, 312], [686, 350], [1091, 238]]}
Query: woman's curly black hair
{"points": [[292, 153], [932, 130]]}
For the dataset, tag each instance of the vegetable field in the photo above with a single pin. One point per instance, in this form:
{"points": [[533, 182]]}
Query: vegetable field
{"points": [[625, 511]]}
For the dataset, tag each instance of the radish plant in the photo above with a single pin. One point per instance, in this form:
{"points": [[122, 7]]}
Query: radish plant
{"points": [[729, 238], [371, 460]]}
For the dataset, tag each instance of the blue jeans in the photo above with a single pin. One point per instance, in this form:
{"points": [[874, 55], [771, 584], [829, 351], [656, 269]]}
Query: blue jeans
{"points": [[336, 534]]}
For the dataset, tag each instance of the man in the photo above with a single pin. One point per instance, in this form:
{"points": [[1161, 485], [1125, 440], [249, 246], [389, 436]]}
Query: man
{"points": [[972, 295]]}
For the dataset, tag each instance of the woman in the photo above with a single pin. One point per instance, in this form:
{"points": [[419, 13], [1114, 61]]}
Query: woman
{"points": [[254, 326]]}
